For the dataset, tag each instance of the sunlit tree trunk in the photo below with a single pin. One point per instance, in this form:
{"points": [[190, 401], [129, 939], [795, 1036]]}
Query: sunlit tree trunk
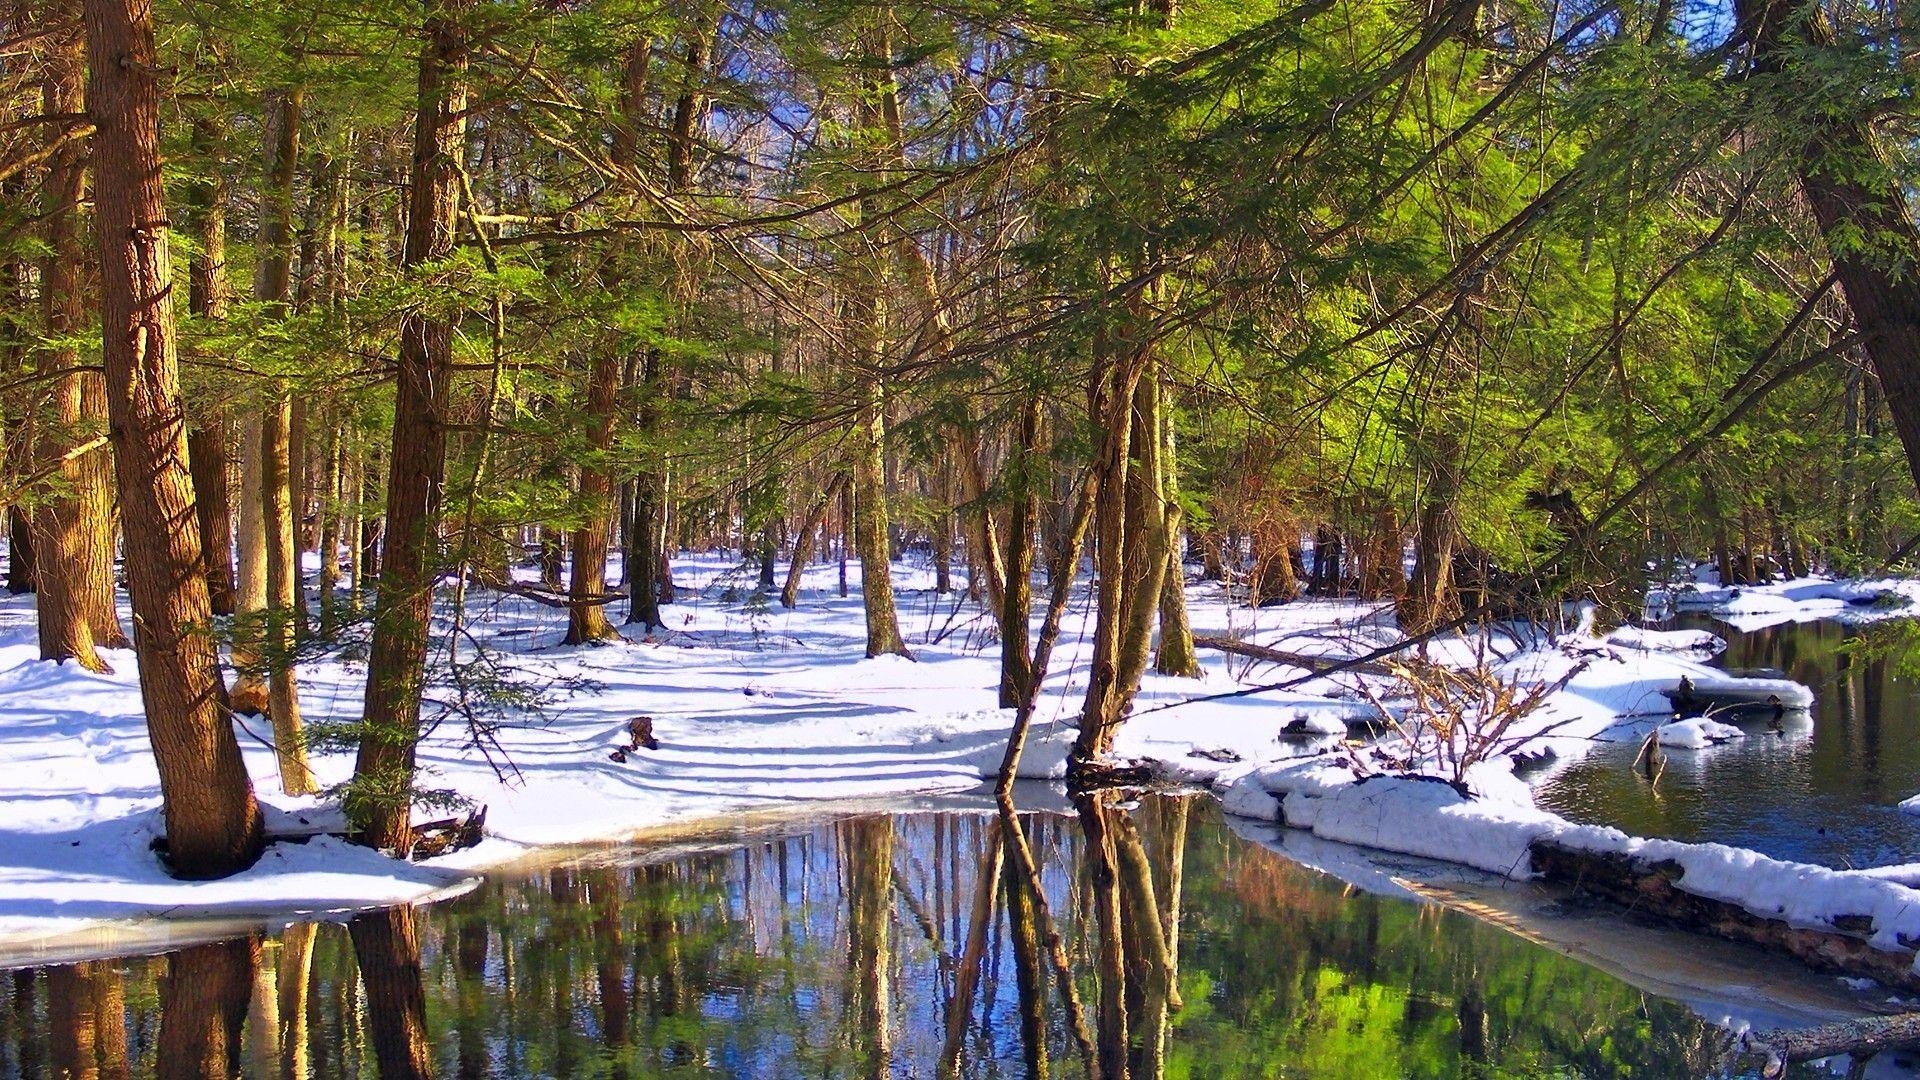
{"points": [[73, 527], [274, 457], [804, 539], [213, 823], [587, 585], [383, 770]]}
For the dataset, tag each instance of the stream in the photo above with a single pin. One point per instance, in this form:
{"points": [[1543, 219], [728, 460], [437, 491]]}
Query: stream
{"points": [[837, 947], [1823, 789]]}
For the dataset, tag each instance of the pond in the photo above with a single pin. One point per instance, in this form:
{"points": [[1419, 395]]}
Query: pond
{"points": [[1823, 788], [914, 944]]}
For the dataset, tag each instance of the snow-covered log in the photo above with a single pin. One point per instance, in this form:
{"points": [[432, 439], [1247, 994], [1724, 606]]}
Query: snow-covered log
{"points": [[1651, 889]]}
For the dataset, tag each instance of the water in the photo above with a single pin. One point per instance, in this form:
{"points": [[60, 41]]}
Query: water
{"points": [[833, 949], [1824, 791]]}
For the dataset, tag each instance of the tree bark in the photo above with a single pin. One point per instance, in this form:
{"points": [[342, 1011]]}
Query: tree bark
{"points": [[1862, 210], [213, 824], [803, 540], [587, 585], [383, 771], [207, 432], [73, 527]]}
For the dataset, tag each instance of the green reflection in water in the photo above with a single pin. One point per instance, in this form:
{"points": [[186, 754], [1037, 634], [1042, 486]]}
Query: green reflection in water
{"points": [[867, 947]]}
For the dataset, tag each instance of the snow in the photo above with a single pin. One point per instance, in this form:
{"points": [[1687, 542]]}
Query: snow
{"points": [[1697, 734], [1699, 644], [1756, 607], [758, 707]]}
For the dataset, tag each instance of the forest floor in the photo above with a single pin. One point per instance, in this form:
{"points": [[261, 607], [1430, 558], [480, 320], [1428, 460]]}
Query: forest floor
{"points": [[755, 707]]}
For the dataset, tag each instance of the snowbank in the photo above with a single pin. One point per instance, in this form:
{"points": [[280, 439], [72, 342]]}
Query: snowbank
{"points": [[1697, 734], [1495, 830], [1756, 607]]}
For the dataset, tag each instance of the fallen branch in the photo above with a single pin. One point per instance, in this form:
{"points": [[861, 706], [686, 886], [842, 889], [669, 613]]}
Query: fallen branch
{"points": [[1316, 664], [543, 596]]}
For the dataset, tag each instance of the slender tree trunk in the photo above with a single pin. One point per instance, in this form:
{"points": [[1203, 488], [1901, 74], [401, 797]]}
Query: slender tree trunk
{"points": [[281, 623], [274, 457], [803, 540], [383, 770], [250, 586], [870, 527], [1111, 409], [72, 529], [1176, 655], [1017, 674], [213, 823], [21, 575], [207, 436]]}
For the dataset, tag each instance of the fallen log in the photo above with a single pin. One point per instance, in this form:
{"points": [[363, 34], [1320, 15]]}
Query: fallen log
{"points": [[1314, 664], [1652, 890], [1860, 1038]]}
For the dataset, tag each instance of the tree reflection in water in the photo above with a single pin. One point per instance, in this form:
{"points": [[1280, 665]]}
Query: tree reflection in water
{"points": [[1120, 940]]}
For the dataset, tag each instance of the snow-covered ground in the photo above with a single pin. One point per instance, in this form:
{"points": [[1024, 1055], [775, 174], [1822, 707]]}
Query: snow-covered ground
{"points": [[755, 706]]}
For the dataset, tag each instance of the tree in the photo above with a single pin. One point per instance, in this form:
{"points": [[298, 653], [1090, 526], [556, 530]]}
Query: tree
{"points": [[380, 800], [213, 825]]}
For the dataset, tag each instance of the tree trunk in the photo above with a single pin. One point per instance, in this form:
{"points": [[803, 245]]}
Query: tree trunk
{"points": [[587, 585], [1862, 210], [383, 771], [21, 576], [1431, 599], [283, 582], [73, 527], [1176, 655], [207, 435], [1111, 409], [213, 823], [803, 540]]}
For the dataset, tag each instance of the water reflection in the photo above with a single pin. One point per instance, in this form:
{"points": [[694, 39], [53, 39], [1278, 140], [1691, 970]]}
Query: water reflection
{"points": [[1823, 788], [1120, 940]]}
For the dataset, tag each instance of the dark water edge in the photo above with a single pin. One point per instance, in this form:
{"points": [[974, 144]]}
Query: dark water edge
{"points": [[1822, 789], [837, 948]]}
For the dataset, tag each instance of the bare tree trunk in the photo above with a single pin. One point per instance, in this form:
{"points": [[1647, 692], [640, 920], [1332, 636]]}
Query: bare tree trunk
{"points": [[803, 540], [587, 614], [213, 823], [383, 770], [207, 436], [72, 529], [283, 696], [22, 577], [1176, 655], [867, 313]]}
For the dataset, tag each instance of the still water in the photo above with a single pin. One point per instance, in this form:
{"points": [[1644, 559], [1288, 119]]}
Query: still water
{"points": [[906, 945], [1823, 788]]}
